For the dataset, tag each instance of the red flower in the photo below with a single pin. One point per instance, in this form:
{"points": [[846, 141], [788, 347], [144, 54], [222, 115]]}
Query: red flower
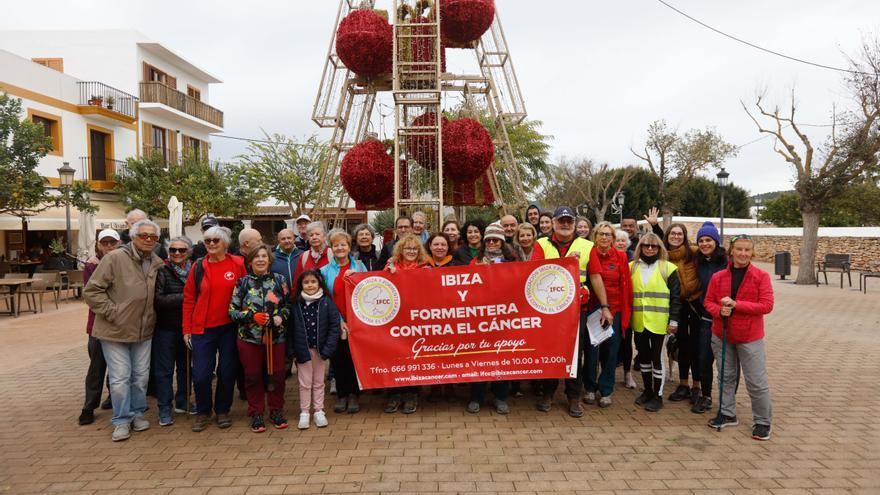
{"points": [[464, 21], [367, 173], [364, 43], [467, 150]]}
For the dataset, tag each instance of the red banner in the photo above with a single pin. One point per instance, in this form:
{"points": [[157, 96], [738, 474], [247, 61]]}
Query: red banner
{"points": [[478, 323]]}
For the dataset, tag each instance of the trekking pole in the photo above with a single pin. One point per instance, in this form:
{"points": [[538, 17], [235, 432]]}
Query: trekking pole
{"points": [[721, 375], [188, 376], [270, 386]]}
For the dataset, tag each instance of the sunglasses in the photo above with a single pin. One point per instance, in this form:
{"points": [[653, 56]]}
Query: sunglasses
{"points": [[650, 246], [109, 243], [177, 250], [215, 240], [493, 240], [150, 237]]}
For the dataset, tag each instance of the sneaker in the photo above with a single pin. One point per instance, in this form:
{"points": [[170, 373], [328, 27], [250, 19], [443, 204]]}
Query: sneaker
{"points": [[86, 417], [590, 398], [695, 395], [629, 381], [473, 407], [501, 407], [644, 398], [121, 432], [200, 423], [393, 404], [682, 392], [761, 432], [341, 405], [544, 404], [605, 401], [181, 410], [722, 421], [333, 386], [165, 418], [353, 404], [574, 408], [703, 404], [278, 420], [410, 403], [223, 421], [140, 424], [655, 404], [320, 419], [107, 404], [303, 421], [257, 423]]}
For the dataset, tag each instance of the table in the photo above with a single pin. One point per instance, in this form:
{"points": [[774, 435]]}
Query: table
{"points": [[13, 284], [30, 266]]}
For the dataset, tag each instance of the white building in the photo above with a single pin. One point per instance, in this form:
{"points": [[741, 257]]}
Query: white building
{"points": [[103, 96]]}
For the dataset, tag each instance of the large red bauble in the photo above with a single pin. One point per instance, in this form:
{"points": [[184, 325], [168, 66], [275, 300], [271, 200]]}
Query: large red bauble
{"points": [[467, 150], [364, 43], [423, 149], [367, 173], [466, 20]]}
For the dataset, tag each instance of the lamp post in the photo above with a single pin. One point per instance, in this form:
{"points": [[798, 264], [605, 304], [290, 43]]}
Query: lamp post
{"points": [[722, 177], [621, 198], [66, 173]]}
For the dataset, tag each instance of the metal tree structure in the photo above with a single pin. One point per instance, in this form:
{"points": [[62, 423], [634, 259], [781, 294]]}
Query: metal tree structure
{"points": [[419, 86]]}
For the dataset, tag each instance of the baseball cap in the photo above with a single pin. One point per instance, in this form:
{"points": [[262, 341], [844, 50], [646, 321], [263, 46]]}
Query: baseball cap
{"points": [[209, 222], [303, 217], [108, 233], [563, 211]]}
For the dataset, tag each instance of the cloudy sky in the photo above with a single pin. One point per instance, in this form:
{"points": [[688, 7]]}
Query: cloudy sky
{"points": [[596, 73]]}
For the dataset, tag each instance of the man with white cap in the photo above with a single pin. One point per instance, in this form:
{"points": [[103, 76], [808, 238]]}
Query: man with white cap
{"points": [[302, 242]]}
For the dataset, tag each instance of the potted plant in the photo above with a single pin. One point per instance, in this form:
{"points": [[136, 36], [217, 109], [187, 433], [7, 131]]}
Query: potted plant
{"points": [[110, 101], [96, 100], [56, 251]]}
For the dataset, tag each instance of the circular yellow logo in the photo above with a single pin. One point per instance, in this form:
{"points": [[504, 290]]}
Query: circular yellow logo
{"points": [[550, 289], [375, 301]]}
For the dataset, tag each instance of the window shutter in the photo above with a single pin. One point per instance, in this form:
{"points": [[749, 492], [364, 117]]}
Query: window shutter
{"points": [[171, 82], [146, 72], [148, 138], [204, 154], [171, 138]]}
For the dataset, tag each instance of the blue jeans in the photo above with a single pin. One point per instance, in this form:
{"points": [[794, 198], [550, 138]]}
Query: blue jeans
{"points": [[205, 349], [170, 353], [604, 355], [128, 366]]}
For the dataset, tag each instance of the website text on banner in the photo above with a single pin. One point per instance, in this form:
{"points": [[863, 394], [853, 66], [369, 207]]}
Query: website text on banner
{"points": [[464, 324]]}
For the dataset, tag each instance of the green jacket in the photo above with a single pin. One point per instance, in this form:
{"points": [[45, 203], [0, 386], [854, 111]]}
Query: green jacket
{"points": [[251, 295]]}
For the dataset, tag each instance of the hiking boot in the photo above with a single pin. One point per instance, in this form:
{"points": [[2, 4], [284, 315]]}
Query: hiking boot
{"points": [[320, 419], [644, 398], [695, 395], [628, 380], [574, 408], [682, 392], [722, 421], [165, 418], [605, 401], [121, 432], [278, 420], [257, 423], [410, 403], [501, 407], [87, 417], [200, 423], [223, 421], [393, 404], [107, 404], [473, 407], [761, 432], [303, 421], [353, 404], [590, 398], [655, 404], [703, 404], [544, 404], [140, 424], [341, 405]]}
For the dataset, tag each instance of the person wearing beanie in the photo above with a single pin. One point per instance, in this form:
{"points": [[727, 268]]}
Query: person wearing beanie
{"points": [[711, 259], [709, 230]]}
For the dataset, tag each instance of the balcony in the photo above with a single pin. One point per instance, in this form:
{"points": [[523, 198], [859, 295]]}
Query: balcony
{"points": [[169, 157], [101, 173], [106, 102], [156, 92]]}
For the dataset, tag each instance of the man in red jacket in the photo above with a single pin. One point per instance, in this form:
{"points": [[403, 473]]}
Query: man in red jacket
{"points": [[743, 295]]}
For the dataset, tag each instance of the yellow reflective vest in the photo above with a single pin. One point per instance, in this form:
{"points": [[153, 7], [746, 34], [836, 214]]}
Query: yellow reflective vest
{"points": [[578, 245], [651, 300]]}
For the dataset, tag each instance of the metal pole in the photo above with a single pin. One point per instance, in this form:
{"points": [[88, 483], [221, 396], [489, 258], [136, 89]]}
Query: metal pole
{"points": [[722, 215], [67, 214]]}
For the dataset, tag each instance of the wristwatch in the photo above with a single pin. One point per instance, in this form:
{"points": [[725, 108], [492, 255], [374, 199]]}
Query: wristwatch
{"points": [[605, 306]]}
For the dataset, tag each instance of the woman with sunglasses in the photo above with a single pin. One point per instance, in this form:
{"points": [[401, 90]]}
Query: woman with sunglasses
{"points": [[169, 351], [656, 304], [208, 330]]}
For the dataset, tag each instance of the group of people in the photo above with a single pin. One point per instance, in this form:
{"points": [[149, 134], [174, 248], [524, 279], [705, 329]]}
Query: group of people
{"points": [[246, 316]]}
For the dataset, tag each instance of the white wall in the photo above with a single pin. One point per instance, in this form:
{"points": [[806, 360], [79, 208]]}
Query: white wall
{"points": [[184, 77]]}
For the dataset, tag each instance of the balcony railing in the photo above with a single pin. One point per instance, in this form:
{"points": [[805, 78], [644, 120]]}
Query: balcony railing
{"points": [[156, 92], [168, 157], [105, 170], [98, 94]]}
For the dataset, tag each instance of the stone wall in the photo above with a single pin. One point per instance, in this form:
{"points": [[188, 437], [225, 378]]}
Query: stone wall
{"points": [[865, 250]]}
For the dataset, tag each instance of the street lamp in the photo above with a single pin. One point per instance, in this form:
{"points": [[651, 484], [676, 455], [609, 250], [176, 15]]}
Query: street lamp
{"points": [[722, 183], [621, 198], [66, 173]]}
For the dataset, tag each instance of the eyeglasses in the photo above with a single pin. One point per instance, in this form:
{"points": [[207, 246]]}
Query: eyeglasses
{"points": [[410, 249], [493, 240], [148, 237], [109, 243], [604, 234], [177, 250], [650, 246], [215, 240]]}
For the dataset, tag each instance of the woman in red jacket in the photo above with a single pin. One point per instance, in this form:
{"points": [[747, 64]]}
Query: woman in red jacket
{"points": [[743, 295]]}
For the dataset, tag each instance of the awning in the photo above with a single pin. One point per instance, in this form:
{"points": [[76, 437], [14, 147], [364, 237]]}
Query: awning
{"points": [[111, 215]]}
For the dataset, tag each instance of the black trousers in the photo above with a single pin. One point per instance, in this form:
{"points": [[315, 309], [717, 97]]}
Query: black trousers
{"points": [[688, 338], [625, 354], [574, 387], [652, 360], [95, 376], [346, 378]]}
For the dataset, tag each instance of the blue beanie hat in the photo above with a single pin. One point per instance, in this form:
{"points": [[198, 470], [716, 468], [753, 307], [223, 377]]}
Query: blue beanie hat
{"points": [[708, 230]]}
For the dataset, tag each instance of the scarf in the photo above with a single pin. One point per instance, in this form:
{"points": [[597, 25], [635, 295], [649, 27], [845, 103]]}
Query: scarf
{"points": [[649, 259], [443, 262], [687, 274], [314, 297], [316, 255], [182, 272]]}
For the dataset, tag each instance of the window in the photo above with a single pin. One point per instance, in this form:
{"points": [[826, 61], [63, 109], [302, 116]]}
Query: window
{"points": [[193, 92], [159, 141], [52, 63], [51, 125], [153, 74]]}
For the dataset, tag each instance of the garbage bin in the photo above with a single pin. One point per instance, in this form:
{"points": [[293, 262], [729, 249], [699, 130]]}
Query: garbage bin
{"points": [[782, 260]]}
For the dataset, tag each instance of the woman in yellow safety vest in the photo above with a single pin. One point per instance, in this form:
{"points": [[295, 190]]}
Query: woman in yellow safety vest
{"points": [[655, 299]]}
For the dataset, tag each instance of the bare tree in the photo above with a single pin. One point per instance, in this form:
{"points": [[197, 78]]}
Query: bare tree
{"points": [[850, 150], [582, 181]]}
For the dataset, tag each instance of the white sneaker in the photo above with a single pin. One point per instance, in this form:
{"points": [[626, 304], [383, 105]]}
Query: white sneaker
{"points": [[303, 421], [121, 432], [140, 424], [629, 381], [321, 419]]}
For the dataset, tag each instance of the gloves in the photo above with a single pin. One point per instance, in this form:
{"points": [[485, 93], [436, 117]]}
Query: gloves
{"points": [[584, 294], [261, 318]]}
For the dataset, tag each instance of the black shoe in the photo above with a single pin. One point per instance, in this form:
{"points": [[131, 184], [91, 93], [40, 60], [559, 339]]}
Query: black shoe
{"points": [[278, 420], [722, 421], [681, 393], [644, 398], [410, 403], [257, 423], [341, 405], [393, 404], [574, 408], [703, 404], [544, 404], [87, 417], [761, 432], [695, 395], [107, 404], [655, 404]]}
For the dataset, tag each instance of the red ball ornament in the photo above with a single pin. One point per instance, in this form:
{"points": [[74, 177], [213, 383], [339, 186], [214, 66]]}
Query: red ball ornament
{"points": [[420, 148], [464, 21], [367, 173], [467, 150], [364, 43]]}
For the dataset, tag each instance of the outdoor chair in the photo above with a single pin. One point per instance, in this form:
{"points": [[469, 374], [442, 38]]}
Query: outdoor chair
{"points": [[873, 272], [50, 282], [74, 282], [835, 263], [30, 292]]}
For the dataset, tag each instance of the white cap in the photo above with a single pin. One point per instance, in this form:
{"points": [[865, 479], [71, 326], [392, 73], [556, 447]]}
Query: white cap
{"points": [[303, 217], [108, 233]]}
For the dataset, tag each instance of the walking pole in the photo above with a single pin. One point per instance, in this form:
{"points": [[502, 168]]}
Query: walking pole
{"points": [[270, 386], [721, 377], [188, 376]]}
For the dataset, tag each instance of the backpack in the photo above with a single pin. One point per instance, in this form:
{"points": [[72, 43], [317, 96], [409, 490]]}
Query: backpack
{"points": [[198, 275]]}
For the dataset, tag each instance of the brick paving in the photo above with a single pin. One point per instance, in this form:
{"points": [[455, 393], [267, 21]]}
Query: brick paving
{"points": [[821, 346]]}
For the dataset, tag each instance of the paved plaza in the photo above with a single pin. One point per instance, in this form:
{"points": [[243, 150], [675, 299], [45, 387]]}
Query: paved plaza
{"points": [[822, 359]]}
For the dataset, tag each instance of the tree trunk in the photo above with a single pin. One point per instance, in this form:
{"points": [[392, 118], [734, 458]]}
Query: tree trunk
{"points": [[666, 211], [600, 213], [809, 245]]}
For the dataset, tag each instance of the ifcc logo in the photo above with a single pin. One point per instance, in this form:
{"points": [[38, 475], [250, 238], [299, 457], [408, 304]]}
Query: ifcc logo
{"points": [[375, 301], [550, 289]]}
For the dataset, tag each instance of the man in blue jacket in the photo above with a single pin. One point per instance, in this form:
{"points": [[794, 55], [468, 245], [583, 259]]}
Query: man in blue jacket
{"points": [[286, 254]]}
